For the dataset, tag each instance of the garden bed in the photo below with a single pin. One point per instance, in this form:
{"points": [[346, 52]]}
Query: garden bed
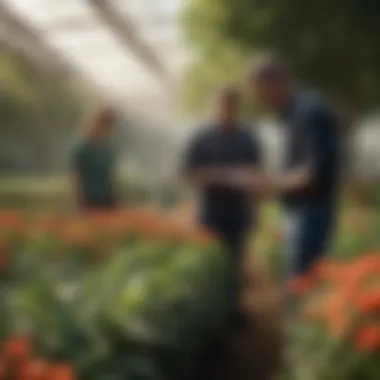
{"points": [[126, 295]]}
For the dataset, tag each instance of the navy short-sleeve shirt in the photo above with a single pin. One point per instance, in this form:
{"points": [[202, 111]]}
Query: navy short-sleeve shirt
{"points": [[217, 148], [312, 139]]}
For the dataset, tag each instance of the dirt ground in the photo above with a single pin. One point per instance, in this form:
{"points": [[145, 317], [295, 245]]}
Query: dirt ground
{"points": [[256, 352]]}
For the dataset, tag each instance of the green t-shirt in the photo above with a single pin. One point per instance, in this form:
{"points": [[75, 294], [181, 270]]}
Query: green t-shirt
{"points": [[94, 163]]}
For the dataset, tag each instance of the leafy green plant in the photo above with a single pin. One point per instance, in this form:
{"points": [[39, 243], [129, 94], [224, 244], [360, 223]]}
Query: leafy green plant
{"points": [[139, 310]]}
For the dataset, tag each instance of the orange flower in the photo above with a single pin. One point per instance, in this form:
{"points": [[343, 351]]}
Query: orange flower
{"points": [[354, 278], [3, 369], [330, 270], [62, 372], [368, 338], [302, 285], [11, 220], [371, 262], [337, 313], [50, 223], [369, 302], [76, 232], [18, 348], [34, 370]]}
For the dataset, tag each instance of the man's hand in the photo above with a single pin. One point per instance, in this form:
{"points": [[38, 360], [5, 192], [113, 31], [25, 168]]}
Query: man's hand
{"points": [[209, 176], [294, 180], [255, 180]]}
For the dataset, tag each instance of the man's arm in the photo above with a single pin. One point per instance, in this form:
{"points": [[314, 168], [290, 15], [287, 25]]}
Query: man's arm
{"points": [[252, 176], [196, 167], [208, 176], [252, 179], [295, 180], [259, 180]]}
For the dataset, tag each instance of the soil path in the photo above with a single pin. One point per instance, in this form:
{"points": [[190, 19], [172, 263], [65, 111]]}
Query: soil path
{"points": [[255, 353]]}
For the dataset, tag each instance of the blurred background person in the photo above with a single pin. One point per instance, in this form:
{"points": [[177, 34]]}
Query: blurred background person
{"points": [[94, 162]]}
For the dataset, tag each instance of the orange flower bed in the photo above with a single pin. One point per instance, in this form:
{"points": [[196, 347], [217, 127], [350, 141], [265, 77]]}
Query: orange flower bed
{"points": [[345, 296], [17, 362], [171, 261], [95, 229], [149, 264]]}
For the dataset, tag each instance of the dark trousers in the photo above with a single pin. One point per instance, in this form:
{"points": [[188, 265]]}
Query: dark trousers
{"points": [[308, 229], [233, 235]]}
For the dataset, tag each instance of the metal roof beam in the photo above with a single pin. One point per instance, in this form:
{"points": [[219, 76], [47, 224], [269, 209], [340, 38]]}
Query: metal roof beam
{"points": [[19, 37], [70, 25], [125, 29]]}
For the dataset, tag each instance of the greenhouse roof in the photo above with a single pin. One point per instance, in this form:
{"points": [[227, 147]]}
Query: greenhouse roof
{"points": [[132, 49]]}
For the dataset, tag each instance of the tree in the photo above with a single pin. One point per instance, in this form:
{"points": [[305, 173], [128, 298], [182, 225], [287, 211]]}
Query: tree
{"points": [[333, 44], [213, 68]]}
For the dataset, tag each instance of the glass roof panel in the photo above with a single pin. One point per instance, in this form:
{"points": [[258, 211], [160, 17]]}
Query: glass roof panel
{"points": [[41, 11], [81, 37]]}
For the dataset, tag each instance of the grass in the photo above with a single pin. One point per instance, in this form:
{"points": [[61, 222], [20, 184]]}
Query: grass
{"points": [[34, 184], [35, 192], [56, 192]]}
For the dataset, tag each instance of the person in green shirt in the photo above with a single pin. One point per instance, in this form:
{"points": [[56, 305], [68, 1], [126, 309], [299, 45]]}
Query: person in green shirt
{"points": [[93, 162]]}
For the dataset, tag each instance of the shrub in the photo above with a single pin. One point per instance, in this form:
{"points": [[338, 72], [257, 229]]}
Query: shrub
{"points": [[124, 295], [338, 333], [17, 362]]}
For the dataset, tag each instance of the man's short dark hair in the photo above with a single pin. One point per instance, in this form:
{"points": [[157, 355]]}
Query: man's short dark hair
{"points": [[272, 67], [229, 94]]}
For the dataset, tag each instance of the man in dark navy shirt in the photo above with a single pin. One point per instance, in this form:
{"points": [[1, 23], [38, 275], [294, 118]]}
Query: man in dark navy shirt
{"points": [[309, 182], [220, 157], [217, 154]]}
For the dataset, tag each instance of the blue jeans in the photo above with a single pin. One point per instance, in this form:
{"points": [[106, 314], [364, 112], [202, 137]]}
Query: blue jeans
{"points": [[308, 229]]}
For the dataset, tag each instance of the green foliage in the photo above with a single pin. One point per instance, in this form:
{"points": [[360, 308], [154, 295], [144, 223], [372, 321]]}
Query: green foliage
{"points": [[319, 356], [14, 86], [332, 44], [334, 334], [57, 192], [212, 69], [142, 314]]}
